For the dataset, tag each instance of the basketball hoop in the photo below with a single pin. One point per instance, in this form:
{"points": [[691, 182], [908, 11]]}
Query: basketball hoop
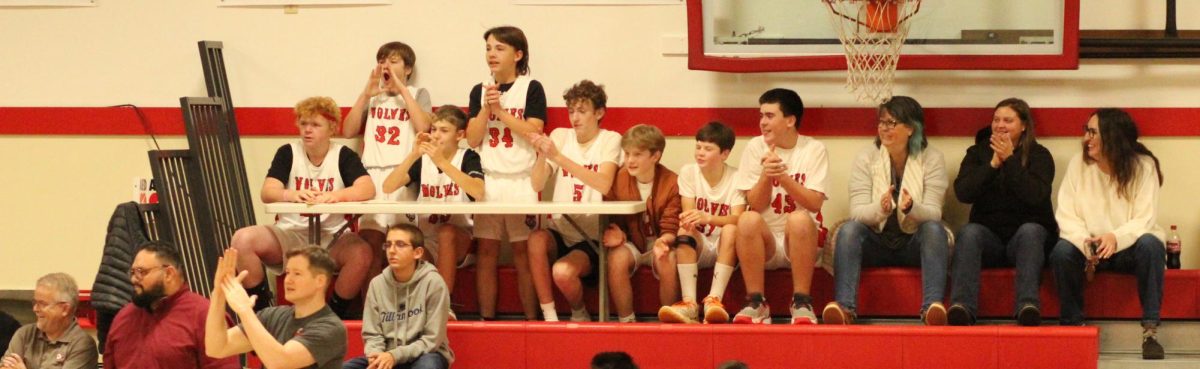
{"points": [[872, 32]]}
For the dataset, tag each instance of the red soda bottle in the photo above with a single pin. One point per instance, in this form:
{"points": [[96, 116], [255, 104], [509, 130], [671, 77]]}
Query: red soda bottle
{"points": [[1174, 246]]}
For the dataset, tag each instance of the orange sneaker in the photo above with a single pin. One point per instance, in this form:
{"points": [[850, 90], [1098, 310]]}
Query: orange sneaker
{"points": [[679, 312], [714, 311]]}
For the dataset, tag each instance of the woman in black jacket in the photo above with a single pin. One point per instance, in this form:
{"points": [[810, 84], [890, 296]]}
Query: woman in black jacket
{"points": [[1007, 175]]}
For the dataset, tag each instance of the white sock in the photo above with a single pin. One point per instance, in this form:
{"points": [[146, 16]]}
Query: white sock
{"points": [[721, 275], [687, 280], [548, 311], [628, 319]]}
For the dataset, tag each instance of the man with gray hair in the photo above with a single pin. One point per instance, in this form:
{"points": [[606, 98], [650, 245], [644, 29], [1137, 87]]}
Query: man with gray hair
{"points": [[55, 340]]}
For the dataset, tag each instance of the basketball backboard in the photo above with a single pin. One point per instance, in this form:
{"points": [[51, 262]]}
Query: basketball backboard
{"points": [[796, 35]]}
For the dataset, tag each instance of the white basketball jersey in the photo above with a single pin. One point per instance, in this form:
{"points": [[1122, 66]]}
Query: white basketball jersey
{"points": [[807, 163], [717, 200], [324, 178], [438, 187], [389, 131], [606, 147], [503, 151]]}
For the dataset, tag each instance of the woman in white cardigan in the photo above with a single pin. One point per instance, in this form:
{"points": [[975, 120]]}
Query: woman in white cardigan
{"points": [[1107, 206], [897, 187]]}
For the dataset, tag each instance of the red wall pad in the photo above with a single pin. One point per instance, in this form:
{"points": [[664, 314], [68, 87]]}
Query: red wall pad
{"points": [[883, 292], [565, 345], [674, 121]]}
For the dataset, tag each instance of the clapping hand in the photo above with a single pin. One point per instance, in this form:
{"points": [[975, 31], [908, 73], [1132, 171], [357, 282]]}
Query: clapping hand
{"points": [[773, 166], [885, 202], [906, 201], [236, 297]]}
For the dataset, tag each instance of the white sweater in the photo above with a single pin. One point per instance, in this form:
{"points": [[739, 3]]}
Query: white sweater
{"points": [[924, 178], [1089, 205]]}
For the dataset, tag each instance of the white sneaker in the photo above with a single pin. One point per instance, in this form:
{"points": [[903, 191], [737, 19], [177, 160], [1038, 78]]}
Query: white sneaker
{"points": [[580, 316], [755, 312], [803, 314]]}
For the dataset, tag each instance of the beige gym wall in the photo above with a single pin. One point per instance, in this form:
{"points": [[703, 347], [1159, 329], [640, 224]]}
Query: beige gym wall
{"points": [[61, 189]]}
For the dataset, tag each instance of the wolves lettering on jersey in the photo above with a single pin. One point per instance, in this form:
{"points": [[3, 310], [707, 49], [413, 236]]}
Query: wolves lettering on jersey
{"points": [[711, 207], [519, 113], [440, 191], [591, 167], [321, 184], [389, 113]]}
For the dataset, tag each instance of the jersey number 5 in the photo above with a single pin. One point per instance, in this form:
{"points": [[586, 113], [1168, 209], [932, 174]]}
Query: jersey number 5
{"points": [[497, 138], [382, 133]]}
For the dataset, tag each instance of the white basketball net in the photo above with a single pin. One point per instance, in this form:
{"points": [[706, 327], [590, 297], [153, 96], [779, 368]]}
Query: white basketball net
{"points": [[872, 32]]}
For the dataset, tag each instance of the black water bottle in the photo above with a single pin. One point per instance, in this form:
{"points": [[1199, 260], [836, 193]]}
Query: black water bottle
{"points": [[1174, 246]]}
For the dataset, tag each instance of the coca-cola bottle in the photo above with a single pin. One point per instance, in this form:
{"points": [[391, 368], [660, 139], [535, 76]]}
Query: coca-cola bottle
{"points": [[1174, 246]]}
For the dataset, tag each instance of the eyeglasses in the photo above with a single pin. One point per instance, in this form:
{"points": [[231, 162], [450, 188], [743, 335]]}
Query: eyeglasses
{"points": [[43, 305], [888, 123], [1090, 132], [138, 273], [397, 244]]}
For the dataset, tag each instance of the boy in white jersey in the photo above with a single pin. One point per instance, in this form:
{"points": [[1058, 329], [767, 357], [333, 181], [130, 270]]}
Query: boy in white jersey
{"points": [[504, 110], [393, 111], [708, 225], [313, 170], [784, 176], [440, 171], [583, 160]]}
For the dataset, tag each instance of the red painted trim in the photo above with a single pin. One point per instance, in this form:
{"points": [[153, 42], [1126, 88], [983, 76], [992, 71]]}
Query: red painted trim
{"points": [[260, 121], [697, 60]]}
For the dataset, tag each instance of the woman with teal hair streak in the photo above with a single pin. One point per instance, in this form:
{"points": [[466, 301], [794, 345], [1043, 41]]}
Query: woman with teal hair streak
{"points": [[896, 193]]}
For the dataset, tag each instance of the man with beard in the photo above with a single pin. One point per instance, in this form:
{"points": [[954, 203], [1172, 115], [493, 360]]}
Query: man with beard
{"points": [[164, 327]]}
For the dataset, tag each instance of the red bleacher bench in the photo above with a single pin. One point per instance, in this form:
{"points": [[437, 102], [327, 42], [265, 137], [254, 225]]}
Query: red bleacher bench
{"points": [[511, 344], [883, 292]]}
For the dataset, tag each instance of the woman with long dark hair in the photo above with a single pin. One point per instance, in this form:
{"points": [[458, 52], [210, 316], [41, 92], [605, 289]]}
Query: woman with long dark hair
{"points": [[1007, 178], [1107, 215]]}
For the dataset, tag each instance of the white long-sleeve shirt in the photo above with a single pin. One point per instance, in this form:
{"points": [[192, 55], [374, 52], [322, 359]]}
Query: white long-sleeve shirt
{"points": [[1089, 204]]}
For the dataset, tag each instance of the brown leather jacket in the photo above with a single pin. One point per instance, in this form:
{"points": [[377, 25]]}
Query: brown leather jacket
{"points": [[662, 207]]}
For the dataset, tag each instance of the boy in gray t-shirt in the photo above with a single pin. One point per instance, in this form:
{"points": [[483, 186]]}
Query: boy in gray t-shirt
{"points": [[305, 335]]}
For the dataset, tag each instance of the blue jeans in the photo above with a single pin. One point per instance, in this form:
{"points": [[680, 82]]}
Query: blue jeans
{"points": [[1146, 259], [859, 246], [978, 247], [428, 360]]}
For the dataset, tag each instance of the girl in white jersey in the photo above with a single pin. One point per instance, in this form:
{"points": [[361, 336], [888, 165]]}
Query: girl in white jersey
{"points": [[313, 170], [583, 160], [504, 110], [711, 206], [441, 171], [392, 111]]}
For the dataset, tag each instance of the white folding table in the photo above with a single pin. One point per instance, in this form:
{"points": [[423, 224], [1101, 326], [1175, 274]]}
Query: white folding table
{"points": [[425, 207]]}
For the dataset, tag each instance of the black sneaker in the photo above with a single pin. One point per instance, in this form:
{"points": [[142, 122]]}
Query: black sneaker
{"points": [[1029, 316], [1151, 349], [958, 315]]}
